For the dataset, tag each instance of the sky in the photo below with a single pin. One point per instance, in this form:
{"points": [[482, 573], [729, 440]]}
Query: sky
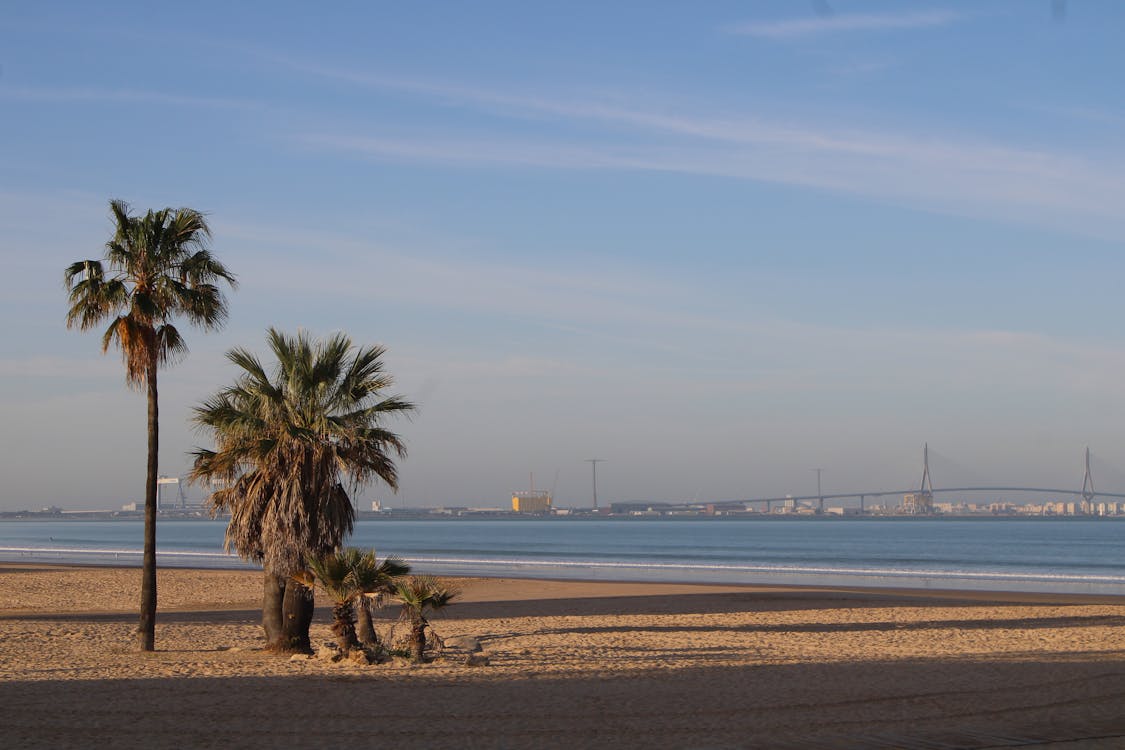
{"points": [[715, 244]]}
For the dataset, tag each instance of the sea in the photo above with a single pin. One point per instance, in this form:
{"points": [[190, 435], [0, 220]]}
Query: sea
{"points": [[1060, 555]]}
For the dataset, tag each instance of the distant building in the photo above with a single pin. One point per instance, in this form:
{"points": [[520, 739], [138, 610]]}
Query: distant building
{"points": [[918, 504], [531, 501]]}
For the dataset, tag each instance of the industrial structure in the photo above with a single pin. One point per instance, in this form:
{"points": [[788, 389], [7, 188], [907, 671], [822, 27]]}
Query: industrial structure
{"points": [[160, 503], [531, 501]]}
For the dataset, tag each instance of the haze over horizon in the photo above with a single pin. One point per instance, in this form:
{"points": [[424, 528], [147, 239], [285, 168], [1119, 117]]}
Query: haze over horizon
{"points": [[715, 245]]}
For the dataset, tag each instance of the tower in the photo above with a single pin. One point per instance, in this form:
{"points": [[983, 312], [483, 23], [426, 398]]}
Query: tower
{"points": [[921, 503], [594, 466], [1088, 493]]}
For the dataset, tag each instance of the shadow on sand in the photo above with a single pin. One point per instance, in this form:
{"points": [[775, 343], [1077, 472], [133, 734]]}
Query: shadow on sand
{"points": [[923, 704]]}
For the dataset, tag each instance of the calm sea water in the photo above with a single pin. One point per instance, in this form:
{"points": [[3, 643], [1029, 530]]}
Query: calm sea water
{"points": [[1048, 555]]}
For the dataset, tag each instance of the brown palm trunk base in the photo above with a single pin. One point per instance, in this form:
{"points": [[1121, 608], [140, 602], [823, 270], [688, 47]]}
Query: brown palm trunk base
{"points": [[343, 625], [297, 615], [365, 630], [418, 641], [273, 596]]}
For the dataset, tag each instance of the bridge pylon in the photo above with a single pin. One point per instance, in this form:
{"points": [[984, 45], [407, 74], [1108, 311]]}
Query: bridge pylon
{"points": [[921, 503], [1088, 492]]}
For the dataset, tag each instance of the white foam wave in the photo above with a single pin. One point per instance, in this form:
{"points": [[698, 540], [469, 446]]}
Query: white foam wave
{"points": [[780, 569], [106, 553], [727, 570]]}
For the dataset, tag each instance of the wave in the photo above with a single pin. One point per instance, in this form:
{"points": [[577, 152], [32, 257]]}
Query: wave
{"points": [[782, 569], [647, 570], [102, 551], [128, 555]]}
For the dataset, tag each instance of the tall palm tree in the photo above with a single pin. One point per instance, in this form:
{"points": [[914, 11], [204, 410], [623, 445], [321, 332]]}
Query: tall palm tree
{"points": [[157, 267], [286, 443], [418, 596]]}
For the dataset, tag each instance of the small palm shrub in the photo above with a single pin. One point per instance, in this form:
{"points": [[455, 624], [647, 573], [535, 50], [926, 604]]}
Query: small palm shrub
{"points": [[351, 577], [375, 580], [420, 595]]}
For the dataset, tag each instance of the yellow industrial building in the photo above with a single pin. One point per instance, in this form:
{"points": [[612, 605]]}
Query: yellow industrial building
{"points": [[531, 501]]}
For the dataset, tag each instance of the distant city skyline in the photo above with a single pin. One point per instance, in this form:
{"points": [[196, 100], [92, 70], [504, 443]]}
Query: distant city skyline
{"points": [[715, 245]]}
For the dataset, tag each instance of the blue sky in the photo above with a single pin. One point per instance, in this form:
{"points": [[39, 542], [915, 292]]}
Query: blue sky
{"points": [[715, 244]]}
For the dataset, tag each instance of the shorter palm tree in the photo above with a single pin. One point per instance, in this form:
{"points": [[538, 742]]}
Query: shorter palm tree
{"points": [[334, 574], [375, 580], [419, 595], [350, 577]]}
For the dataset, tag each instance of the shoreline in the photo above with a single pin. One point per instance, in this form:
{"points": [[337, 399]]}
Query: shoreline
{"points": [[1029, 558], [425, 514], [575, 584], [572, 664]]}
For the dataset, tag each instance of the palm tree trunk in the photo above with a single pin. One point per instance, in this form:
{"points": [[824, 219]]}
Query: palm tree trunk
{"points": [[273, 596], [146, 630], [418, 641], [343, 624], [366, 630], [297, 614]]}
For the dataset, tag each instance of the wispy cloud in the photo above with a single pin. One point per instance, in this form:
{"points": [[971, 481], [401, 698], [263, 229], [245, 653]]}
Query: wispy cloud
{"points": [[1086, 114], [60, 367], [513, 367], [945, 173], [481, 152], [832, 24], [124, 96], [443, 282], [641, 322], [979, 180]]}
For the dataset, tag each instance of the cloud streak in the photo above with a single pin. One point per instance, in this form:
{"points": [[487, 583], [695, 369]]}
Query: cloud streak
{"points": [[980, 181], [941, 173], [61, 367], [640, 323], [125, 96], [835, 24]]}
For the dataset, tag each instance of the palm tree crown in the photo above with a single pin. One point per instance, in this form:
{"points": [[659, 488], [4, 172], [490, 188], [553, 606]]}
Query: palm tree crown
{"points": [[375, 577], [159, 267], [288, 440], [419, 595]]}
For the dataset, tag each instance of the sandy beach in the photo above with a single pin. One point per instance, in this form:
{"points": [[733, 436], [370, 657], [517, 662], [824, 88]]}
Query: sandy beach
{"points": [[572, 664]]}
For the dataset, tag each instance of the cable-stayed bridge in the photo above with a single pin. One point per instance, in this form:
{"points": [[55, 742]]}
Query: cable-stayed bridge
{"points": [[919, 500]]}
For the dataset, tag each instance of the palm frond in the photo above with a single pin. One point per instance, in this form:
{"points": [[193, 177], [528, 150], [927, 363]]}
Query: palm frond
{"points": [[82, 270], [371, 575], [333, 572], [422, 593], [170, 346]]}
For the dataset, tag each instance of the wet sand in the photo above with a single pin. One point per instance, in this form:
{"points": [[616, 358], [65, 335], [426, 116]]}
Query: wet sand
{"points": [[573, 664]]}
